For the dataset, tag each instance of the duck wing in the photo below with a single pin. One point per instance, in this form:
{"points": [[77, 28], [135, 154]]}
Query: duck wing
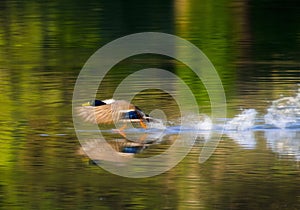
{"points": [[96, 114]]}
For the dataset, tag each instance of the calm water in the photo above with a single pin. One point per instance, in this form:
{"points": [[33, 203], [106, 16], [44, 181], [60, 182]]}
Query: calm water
{"points": [[255, 50]]}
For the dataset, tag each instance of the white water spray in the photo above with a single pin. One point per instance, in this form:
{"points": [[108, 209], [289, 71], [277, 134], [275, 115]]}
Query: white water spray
{"points": [[284, 112]]}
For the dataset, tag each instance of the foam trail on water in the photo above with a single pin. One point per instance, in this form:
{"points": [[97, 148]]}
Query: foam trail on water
{"points": [[201, 122], [243, 121], [204, 126], [205, 123], [284, 112], [157, 124]]}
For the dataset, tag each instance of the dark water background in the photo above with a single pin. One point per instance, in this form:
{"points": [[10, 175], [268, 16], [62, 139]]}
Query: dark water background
{"points": [[255, 48]]}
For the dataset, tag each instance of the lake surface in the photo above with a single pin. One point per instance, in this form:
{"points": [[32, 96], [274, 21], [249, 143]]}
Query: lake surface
{"points": [[254, 47]]}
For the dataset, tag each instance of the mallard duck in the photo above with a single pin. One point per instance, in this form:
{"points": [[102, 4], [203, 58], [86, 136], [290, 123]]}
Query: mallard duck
{"points": [[111, 111]]}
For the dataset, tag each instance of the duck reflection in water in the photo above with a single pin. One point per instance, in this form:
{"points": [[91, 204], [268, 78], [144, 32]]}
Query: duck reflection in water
{"points": [[117, 150]]}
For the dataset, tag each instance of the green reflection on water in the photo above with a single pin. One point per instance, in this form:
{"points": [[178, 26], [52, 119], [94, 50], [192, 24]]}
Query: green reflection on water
{"points": [[43, 45]]}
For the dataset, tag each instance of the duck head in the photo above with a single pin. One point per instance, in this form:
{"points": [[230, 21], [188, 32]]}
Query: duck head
{"points": [[94, 103]]}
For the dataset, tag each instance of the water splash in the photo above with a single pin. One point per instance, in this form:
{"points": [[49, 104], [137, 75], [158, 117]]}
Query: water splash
{"points": [[159, 120], [284, 112], [157, 124], [243, 121], [205, 123], [201, 122]]}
